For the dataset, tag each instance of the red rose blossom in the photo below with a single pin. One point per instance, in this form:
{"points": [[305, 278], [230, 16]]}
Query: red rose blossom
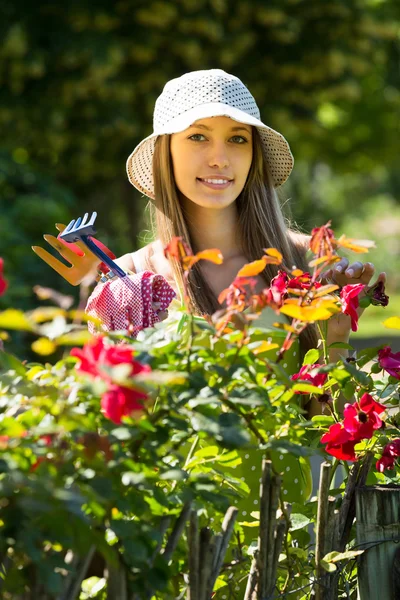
{"points": [[97, 353], [390, 452], [120, 402], [339, 442], [308, 374], [389, 361], [350, 302], [362, 418]]}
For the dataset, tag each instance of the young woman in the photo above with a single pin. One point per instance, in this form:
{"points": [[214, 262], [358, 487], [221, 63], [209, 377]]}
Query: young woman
{"points": [[211, 168]]}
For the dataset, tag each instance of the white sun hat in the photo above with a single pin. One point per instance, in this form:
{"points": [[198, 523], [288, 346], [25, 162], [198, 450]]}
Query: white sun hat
{"points": [[198, 95]]}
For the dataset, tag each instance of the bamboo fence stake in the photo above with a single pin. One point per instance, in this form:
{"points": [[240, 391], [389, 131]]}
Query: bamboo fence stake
{"points": [[221, 543], [357, 478], [252, 580], [176, 533], [280, 534], [321, 533], [263, 535], [194, 542], [273, 507]]}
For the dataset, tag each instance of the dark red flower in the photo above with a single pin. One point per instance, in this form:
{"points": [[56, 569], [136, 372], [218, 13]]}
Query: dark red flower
{"points": [[390, 452], [339, 442], [302, 282], [120, 402], [3, 282], [362, 418], [309, 374], [377, 294], [389, 361], [350, 302], [97, 354]]}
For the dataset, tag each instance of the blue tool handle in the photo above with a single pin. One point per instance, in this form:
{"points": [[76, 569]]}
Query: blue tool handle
{"points": [[102, 256]]}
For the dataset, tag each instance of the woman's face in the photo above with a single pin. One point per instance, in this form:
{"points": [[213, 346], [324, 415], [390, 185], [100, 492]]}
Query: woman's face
{"points": [[211, 160]]}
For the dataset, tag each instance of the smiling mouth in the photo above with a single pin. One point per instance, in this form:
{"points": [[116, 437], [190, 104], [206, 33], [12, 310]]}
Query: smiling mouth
{"points": [[216, 184]]}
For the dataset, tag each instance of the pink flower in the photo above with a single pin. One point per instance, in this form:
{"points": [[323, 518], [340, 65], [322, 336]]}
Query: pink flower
{"points": [[389, 361], [120, 402], [339, 442], [350, 302], [97, 354], [3, 282], [308, 374], [390, 452], [362, 418]]}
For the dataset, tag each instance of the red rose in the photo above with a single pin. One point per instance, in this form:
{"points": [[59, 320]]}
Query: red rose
{"points": [[389, 361], [277, 291], [362, 418], [350, 302], [390, 452], [120, 402], [339, 442], [97, 354], [3, 282], [309, 374]]}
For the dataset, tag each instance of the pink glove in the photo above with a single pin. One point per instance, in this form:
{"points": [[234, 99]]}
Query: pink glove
{"points": [[127, 304]]}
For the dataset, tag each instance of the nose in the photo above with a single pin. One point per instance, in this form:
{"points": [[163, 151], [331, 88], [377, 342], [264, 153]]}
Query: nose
{"points": [[218, 156]]}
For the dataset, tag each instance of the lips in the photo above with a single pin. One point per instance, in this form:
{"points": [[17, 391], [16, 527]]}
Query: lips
{"points": [[216, 186]]}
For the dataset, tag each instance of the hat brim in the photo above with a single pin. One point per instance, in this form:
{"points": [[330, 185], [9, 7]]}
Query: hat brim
{"points": [[139, 165]]}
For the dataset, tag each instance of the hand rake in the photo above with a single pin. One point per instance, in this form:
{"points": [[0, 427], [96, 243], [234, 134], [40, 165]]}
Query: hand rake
{"points": [[91, 254]]}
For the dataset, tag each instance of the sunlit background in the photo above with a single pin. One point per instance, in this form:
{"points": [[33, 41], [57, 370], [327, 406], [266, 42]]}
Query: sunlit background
{"points": [[78, 82]]}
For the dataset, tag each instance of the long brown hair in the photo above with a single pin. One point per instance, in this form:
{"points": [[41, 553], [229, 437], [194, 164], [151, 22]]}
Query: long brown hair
{"points": [[261, 224]]}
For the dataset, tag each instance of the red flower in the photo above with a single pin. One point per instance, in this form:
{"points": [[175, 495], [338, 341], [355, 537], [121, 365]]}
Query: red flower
{"points": [[350, 302], [308, 374], [120, 402], [362, 418], [302, 282], [390, 361], [339, 442], [390, 452], [97, 354], [275, 295], [3, 282]]}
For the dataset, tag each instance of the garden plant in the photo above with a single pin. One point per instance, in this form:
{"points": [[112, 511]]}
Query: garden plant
{"points": [[123, 461]]}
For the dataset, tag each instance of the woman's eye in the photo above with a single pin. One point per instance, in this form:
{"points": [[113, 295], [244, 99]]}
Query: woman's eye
{"points": [[242, 140], [196, 135]]}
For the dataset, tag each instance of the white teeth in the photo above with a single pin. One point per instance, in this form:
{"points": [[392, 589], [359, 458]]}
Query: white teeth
{"points": [[218, 181]]}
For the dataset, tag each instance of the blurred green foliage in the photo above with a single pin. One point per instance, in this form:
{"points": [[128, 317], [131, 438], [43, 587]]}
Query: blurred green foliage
{"points": [[78, 86]]}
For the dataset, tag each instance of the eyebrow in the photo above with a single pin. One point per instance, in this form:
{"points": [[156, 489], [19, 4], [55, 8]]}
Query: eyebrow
{"points": [[210, 129]]}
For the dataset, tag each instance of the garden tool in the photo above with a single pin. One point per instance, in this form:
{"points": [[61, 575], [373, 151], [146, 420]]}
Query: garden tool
{"points": [[82, 259]]}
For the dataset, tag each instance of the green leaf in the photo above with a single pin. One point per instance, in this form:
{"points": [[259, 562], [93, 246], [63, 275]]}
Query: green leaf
{"points": [[324, 420], [298, 521], [341, 345], [307, 387], [174, 474], [330, 567], [311, 357], [334, 557]]}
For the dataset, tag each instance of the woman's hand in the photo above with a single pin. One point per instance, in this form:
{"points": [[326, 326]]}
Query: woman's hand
{"points": [[343, 273]]}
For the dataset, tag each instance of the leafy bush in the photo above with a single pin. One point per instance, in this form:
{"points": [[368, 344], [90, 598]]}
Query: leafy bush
{"points": [[105, 452]]}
